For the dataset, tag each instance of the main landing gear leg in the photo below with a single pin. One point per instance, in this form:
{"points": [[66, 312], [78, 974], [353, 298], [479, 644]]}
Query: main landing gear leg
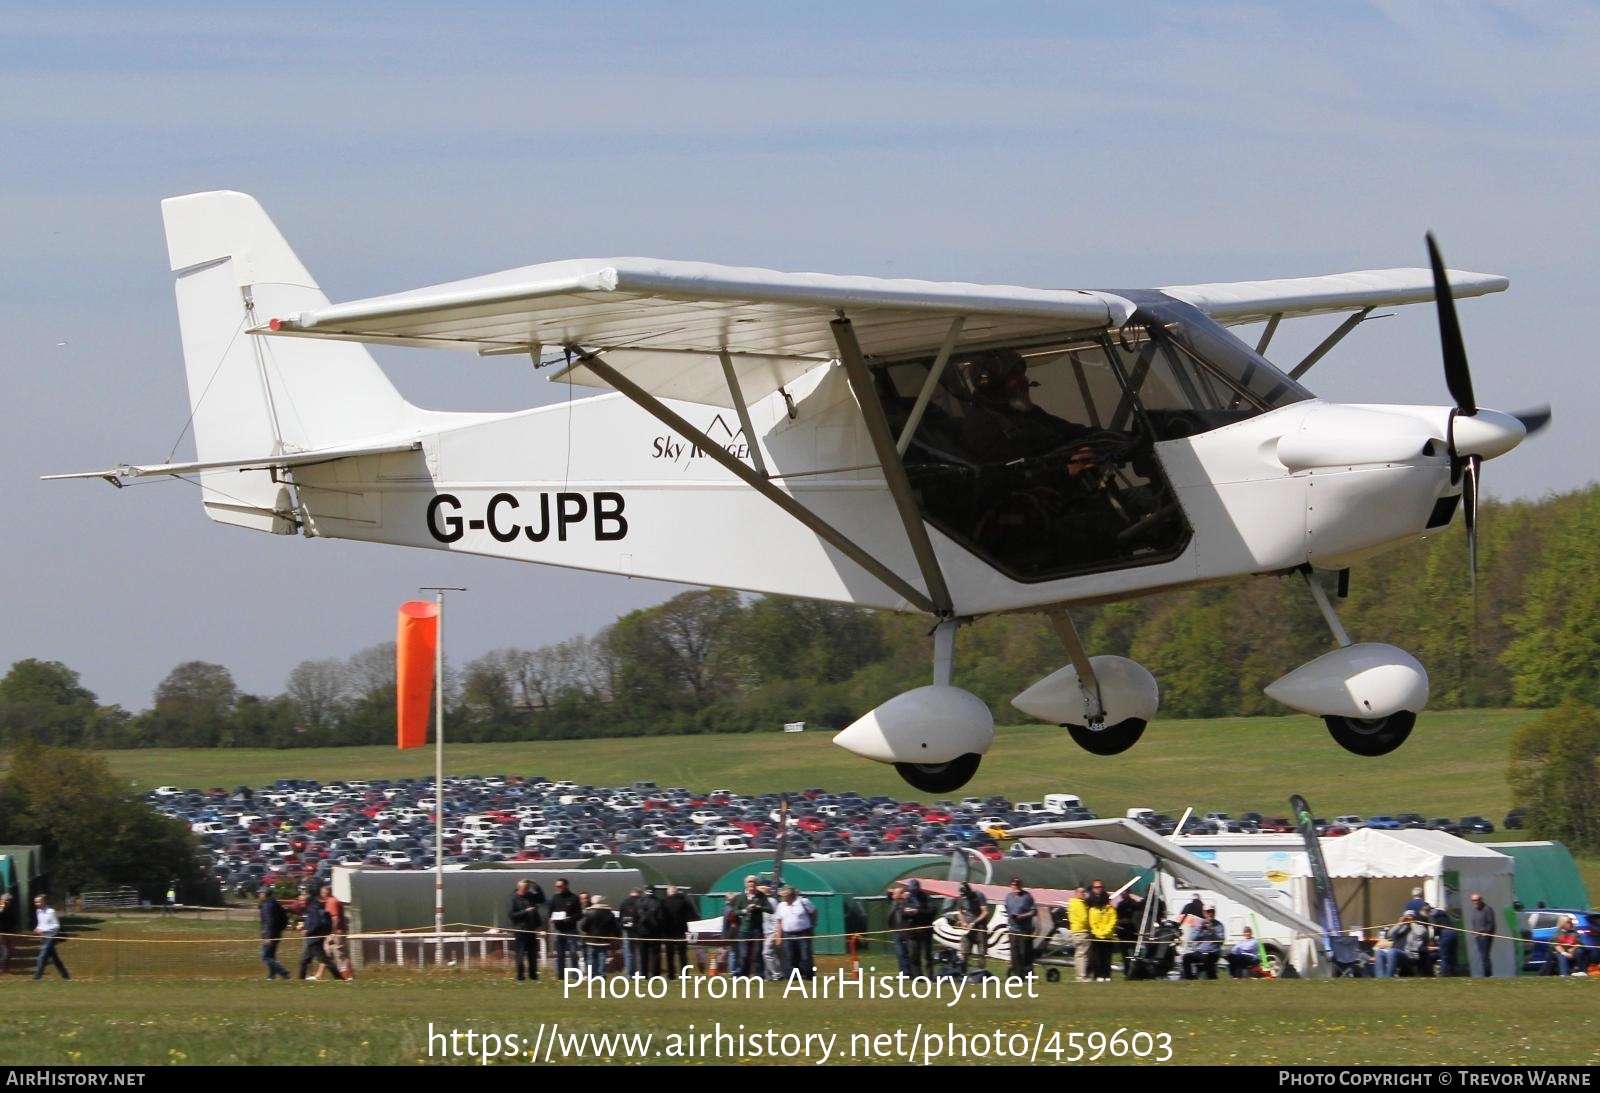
{"points": [[1094, 736], [1369, 736]]}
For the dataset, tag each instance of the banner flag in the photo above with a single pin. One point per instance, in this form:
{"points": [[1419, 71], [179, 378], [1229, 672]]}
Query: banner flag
{"points": [[1327, 905], [415, 649]]}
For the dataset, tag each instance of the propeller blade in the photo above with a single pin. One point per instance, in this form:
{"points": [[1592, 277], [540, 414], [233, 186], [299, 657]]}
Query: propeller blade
{"points": [[1457, 376], [1535, 419], [1469, 499]]}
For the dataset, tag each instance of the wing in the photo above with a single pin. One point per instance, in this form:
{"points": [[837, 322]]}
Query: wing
{"points": [[667, 324], [1257, 301]]}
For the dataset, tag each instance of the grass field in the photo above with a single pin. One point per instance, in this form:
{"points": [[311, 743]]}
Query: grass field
{"points": [[1454, 764], [387, 1020]]}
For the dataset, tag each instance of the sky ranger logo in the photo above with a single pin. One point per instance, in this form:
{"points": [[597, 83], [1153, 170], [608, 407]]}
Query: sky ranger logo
{"points": [[681, 452]]}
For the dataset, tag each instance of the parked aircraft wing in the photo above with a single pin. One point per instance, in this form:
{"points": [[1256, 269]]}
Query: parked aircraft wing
{"points": [[1174, 859]]}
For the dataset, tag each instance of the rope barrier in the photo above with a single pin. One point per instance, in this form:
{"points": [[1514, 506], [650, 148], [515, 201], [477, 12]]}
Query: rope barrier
{"points": [[507, 933]]}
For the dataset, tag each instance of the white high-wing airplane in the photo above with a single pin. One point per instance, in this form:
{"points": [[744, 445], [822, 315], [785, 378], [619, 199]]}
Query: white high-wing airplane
{"points": [[958, 450]]}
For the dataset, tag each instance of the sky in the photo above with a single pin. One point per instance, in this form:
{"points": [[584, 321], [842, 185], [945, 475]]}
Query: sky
{"points": [[1060, 145]]}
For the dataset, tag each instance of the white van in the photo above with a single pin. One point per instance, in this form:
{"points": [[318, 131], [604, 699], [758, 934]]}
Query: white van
{"points": [[1061, 802], [731, 842], [1031, 808], [478, 825]]}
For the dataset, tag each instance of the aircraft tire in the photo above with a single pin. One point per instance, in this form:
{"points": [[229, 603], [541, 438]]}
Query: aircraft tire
{"points": [[1378, 736], [1111, 740], [940, 777]]}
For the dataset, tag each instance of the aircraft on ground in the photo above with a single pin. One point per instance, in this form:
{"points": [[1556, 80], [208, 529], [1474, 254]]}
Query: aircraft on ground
{"points": [[956, 450]]}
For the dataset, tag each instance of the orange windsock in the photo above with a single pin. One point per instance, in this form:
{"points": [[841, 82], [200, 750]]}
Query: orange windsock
{"points": [[415, 647]]}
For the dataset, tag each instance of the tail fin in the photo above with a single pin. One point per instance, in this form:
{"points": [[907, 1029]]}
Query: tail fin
{"points": [[250, 396]]}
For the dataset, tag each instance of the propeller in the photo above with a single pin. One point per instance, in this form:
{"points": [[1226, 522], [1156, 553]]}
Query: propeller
{"points": [[1474, 434]]}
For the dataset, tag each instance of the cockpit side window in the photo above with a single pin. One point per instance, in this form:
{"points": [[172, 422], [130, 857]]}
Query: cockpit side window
{"points": [[1019, 456], [1041, 459]]}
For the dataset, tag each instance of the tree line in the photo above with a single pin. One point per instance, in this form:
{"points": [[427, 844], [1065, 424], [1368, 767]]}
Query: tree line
{"points": [[93, 831], [716, 662]]}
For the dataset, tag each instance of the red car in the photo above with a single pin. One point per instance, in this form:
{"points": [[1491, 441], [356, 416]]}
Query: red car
{"points": [[810, 823], [990, 852], [936, 816]]}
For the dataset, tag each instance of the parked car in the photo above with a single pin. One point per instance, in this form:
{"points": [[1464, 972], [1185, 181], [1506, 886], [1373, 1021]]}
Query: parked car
{"points": [[1516, 819], [1540, 927], [1477, 825]]}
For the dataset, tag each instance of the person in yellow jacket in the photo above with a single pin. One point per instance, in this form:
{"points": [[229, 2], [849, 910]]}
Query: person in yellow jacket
{"points": [[1103, 931], [1078, 925]]}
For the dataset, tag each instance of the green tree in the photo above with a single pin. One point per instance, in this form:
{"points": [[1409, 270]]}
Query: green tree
{"points": [[1556, 654], [193, 705], [677, 657], [42, 700], [319, 689], [1555, 775], [784, 639], [93, 833]]}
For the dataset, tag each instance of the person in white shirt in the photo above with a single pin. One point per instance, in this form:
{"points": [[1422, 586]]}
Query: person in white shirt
{"points": [[48, 927], [797, 922]]}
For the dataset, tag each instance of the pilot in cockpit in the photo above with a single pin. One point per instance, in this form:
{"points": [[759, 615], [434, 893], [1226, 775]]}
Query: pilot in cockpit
{"points": [[1002, 424], [1041, 478]]}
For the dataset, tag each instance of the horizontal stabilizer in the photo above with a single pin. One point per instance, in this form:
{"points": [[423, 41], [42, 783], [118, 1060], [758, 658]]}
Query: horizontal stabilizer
{"points": [[116, 475]]}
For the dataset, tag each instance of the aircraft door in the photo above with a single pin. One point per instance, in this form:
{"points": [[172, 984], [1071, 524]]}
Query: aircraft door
{"points": [[1039, 461]]}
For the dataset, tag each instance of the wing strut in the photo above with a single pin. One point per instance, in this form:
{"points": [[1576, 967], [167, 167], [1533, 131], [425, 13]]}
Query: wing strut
{"points": [[930, 385], [1329, 342], [758, 482], [894, 471], [1067, 632], [1266, 335], [743, 411]]}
